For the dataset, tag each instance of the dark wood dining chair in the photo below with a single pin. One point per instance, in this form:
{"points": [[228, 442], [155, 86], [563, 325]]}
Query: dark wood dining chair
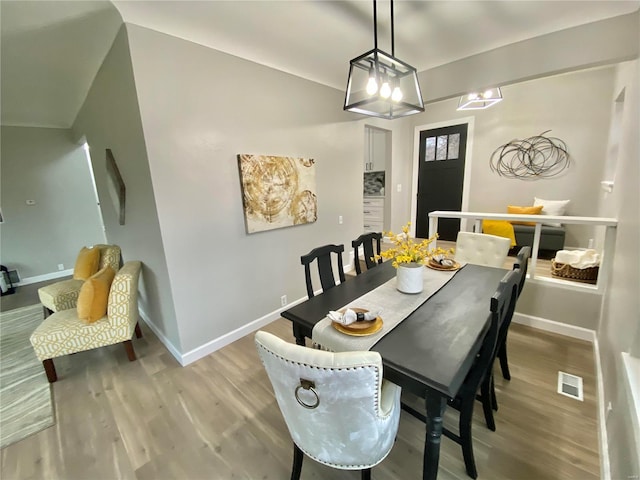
{"points": [[369, 242], [501, 307], [323, 256], [521, 264]]}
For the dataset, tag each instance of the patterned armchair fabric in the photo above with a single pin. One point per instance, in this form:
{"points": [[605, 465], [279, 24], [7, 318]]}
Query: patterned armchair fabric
{"points": [[109, 255], [64, 295], [64, 333]]}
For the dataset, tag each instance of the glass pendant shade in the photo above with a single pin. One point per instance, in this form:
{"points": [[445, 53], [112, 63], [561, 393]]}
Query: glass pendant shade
{"points": [[480, 101], [399, 92]]}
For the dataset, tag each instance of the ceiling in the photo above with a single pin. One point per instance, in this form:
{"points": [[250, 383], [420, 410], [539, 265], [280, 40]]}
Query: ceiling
{"points": [[51, 50]]}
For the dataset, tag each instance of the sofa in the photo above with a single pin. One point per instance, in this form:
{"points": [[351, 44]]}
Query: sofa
{"points": [[551, 238]]}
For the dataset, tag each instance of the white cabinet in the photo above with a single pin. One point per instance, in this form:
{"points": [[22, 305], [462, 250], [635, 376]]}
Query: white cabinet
{"points": [[373, 214], [375, 150]]}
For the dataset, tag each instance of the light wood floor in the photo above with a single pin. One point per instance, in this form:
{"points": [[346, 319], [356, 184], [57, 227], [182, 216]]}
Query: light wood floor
{"points": [[217, 419]]}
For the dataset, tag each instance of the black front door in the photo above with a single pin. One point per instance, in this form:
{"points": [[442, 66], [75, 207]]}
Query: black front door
{"points": [[440, 178]]}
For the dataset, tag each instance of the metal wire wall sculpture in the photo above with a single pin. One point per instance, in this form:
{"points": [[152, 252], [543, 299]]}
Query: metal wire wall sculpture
{"points": [[532, 158]]}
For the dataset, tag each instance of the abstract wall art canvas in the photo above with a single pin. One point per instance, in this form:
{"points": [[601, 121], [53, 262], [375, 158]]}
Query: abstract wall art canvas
{"points": [[277, 191]]}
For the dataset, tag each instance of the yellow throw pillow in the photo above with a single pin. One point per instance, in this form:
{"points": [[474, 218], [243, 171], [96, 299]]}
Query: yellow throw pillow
{"points": [[94, 294], [86, 263], [524, 211], [501, 228]]}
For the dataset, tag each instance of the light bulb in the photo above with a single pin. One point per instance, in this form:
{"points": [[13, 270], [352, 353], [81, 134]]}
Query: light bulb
{"points": [[473, 96], [396, 96], [487, 94], [372, 85], [385, 90]]}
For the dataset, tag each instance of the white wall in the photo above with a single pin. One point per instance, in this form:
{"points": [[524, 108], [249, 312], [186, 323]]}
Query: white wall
{"points": [[619, 328], [604, 42], [199, 109], [45, 165], [110, 118], [530, 108]]}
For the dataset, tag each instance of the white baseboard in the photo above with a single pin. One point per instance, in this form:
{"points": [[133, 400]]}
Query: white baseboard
{"points": [[631, 366], [556, 327], [44, 278], [603, 439], [216, 344], [165, 341]]}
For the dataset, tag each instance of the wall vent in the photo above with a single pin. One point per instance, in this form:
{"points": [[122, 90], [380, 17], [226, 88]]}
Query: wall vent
{"points": [[570, 385]]}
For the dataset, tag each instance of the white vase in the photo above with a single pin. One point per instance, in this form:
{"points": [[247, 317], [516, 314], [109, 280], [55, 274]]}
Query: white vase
{"points": [[409, 277]]}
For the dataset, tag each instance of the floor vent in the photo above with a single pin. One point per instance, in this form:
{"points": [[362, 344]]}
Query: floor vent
{"points": [[570, 385]]}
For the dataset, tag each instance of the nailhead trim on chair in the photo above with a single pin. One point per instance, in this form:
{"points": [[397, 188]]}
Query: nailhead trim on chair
{"points": [[376, 401]]}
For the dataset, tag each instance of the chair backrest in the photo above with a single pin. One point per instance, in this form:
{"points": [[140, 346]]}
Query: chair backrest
{"points": [[481, 249], [522, 262], [122, 305], [336, 406], [325, 268], [109, 255], [510, 283], [367, 240], [501, 309]]}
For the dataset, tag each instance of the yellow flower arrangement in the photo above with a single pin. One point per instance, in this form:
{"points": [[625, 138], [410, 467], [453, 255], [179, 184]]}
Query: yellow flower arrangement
{"points": [[407, 250]]}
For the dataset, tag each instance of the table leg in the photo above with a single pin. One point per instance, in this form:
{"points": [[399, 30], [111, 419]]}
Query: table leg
{"points": [[436, 405]]}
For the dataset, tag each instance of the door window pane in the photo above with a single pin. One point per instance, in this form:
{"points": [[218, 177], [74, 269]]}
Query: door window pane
{"points": [[430, 149], [454, 146], [441, 148]]}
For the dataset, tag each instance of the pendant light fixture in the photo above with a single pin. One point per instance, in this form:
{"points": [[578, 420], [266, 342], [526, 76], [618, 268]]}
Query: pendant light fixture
{"points": [[380, 85], [480, 101]]}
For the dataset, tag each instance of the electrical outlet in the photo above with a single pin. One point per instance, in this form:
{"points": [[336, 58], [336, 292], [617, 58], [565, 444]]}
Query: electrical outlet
{"points": [[61, 266], [340, 219], [283, 300]]}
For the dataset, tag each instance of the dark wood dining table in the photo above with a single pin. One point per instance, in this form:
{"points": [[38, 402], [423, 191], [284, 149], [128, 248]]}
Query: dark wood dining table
{"points": [[431, 351]]}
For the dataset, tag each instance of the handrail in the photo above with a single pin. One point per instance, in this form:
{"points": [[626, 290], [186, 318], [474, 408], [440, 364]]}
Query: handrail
{"points": [[609, 238]]}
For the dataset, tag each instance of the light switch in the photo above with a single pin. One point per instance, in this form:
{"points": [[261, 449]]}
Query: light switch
{"points": [[399, 187]]}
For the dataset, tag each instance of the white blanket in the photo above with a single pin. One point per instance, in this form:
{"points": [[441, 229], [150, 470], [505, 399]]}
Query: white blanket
{"points": [[578, 258], [393, 306]]}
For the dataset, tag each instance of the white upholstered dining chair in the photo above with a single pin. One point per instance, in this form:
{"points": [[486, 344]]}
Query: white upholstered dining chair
{"points": [[481, 249], [338, 409]]}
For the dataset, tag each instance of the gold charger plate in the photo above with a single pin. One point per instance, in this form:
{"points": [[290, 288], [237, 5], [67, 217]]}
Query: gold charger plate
{"points": [[359, 329], [436, 266]]}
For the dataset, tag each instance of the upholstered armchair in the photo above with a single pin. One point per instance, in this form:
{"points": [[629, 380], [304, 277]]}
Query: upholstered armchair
{"points": [[64, 333], [64, 295], [337, 407]]}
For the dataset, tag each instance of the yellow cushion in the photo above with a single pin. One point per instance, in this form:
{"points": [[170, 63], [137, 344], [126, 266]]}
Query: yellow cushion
{"points": [[524, 211], [92, 302], [501, 228], [86, 263]]}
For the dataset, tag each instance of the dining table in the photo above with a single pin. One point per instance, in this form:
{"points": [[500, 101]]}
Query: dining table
{"points": [[430, 351]]}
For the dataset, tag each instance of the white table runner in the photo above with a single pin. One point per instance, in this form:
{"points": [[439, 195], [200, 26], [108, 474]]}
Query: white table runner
{"points": [[394, 306]]}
